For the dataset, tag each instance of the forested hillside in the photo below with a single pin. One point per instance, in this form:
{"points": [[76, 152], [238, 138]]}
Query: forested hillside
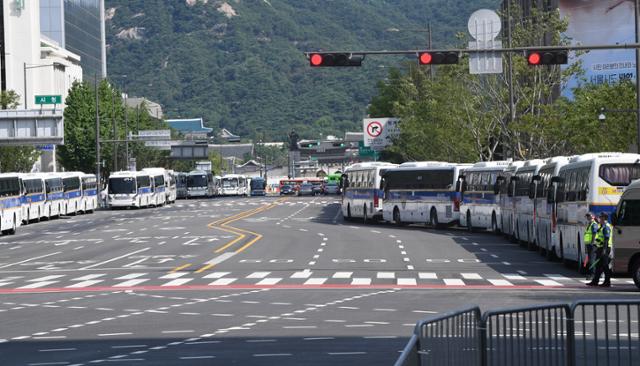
{"points": [[239, 64]]}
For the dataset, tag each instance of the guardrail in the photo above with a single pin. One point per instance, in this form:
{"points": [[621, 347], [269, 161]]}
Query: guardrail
{"points": [[583, 333]]}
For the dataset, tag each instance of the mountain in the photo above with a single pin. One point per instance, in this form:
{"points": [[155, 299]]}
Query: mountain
{"points": [[239, 64]]}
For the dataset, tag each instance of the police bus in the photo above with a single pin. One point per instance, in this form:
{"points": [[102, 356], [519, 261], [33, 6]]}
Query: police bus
{"points": [[54, 189], [10, 202], [200, 184], [423, 192], [506, 198], [181, 185], [480, 207], [361, 190], [158, 188], [72, 192], [524, 202], [129, 189], [258, 186], [33, 199], [546, 212], [89, 193], [589, 183], [234, 185], [168, 183]]}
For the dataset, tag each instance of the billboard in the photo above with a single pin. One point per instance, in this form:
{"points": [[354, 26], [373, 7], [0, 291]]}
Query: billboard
{"points": [[598, 22]]}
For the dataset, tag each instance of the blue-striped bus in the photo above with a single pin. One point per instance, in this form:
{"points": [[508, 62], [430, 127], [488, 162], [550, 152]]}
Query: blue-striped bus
{"points": [[525, 203], [480, 207], [55, 195], [72, 183], [362, 192], [506, 198], [11, 191], [423, 192], [89, 193], [33, 199]]}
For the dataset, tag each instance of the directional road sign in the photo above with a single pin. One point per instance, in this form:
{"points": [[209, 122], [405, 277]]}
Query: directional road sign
{"points": [[48, 99]]}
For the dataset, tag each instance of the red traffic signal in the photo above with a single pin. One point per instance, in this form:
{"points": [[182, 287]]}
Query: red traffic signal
{"points": [[437, 58], [536, 58], [334, 60]]}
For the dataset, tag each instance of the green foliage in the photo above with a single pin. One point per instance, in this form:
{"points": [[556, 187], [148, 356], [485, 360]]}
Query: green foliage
{"points": [[9, 99], [15, 158], [248, 73]]}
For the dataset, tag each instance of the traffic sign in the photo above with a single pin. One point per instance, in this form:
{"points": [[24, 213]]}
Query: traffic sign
{"points": [[374, 129], [484, 26], [365, 151], [380, 132], [154, 134], [48, 99]]}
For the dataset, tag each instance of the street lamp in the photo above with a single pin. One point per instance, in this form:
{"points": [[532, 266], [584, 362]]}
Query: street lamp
{"points": [[28, 67], [602, 117]]}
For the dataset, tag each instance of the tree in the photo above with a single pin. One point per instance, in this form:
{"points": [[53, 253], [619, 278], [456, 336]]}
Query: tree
{"points": [[15, 158]]}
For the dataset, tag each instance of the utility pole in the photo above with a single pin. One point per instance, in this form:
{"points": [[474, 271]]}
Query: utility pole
{"points": [[126, 131], [637, 4], [97, 132], [115, 132], [25, 85], [512, 109]]}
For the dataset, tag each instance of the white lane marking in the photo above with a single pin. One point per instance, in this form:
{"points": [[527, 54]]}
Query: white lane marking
{"points": [[174, 275], [513, 277], [361, 281], [114, 334], [30, 259], [407, 282], [453, 282], [177, 331], [506, 263], [315, 281], [223, 315], [89, 277], [216, 274], [410, 267], [494, 256], [386, 275], [299, 327], [84, 284], [39, 284], [47, 363], [223, 282], [116, 258], [346, 353], [178, 282], [500, 282], [269, 281], [130, 276], [428, 276], [130, 346], [258, 275], [342, 275], [557, 277], [548, 283], [318, 338], [302, 274], [45, 278], [130, 283], [221, 258], [424, 312], [196, 357], [312, 263], [272, 355], [471, 276], [57, 349]]}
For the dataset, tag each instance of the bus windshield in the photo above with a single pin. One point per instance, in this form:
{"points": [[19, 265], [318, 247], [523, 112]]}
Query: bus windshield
{"points": [[229, 183], [257, 183], [125, 185], [197, 181]]}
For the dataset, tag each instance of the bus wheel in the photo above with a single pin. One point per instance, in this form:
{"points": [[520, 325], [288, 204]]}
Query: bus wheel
{"points": [[635, 272], [433, 218], [494, 224], [396, 217], [469, 225], [349, 218], [37, 219], [12, 231], [365, 218]]}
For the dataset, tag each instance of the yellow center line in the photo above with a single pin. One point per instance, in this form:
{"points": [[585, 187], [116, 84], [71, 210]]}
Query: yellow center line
{"points": [[181, 267]]}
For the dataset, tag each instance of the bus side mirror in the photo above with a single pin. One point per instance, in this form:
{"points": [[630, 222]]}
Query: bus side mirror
{"points": [[382, 184], [497, 184], [532, 190], [556, 180], [614, 218], [551, 195]]}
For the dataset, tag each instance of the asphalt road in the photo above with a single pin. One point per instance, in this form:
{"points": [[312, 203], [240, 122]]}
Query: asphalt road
{"points": [[251, 281]]}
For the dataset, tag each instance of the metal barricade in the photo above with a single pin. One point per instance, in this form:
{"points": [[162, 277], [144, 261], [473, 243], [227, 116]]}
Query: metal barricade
{"points": [[606, 332], [527, 336]]}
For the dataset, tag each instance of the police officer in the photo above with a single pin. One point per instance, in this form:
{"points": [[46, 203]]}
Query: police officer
{"points": [[589, 236], [603, 243]]}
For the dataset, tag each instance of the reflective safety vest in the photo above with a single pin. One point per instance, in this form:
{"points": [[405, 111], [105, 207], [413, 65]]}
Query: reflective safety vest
{"points": [[588, 234], [600, 236]]}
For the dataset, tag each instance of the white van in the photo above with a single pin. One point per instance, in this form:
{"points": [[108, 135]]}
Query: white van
{"points": [[626, 233]]}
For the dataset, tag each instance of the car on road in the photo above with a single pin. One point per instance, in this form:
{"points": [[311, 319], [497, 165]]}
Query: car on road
{"points": [[306, 189], [317, 188], [331, 188], [287, 190]]}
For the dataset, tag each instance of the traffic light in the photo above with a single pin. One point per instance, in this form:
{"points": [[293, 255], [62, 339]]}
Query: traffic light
{"points": [[334, 59], [536, 58], [438, 58]]}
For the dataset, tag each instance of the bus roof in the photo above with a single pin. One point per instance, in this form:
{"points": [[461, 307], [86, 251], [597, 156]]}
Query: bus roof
{"points": [[420, 164], [197, 172], [126, 173], [367, 165], [604, 156]]}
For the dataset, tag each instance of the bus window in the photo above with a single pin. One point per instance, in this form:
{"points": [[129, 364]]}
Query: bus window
{"points": [[619, 174]]}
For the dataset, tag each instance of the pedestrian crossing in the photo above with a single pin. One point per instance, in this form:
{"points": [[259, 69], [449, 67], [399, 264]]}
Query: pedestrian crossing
{"points": [[300, 277]]}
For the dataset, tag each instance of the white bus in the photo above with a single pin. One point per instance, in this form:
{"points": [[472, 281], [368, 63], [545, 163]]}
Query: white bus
{"points": [[200, 184], [10, 202], [546, 212], [89, 193], [129, 189], [235, 185], [589, 183], [170, 189], [480, 189], [181, 185], [506, 200], [158, 189], [34, 198], [524, 202], [55, 195], [422, 192], [362, 191], [72, 192]]}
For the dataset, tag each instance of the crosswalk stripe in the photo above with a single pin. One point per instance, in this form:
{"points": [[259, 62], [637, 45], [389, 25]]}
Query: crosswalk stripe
{"points": [[514, 277], [178, 282], [89, 277], [453, 282], [407, 282], [258, 275], [548, 283], [302, 274], [269, 281], [174, 275], [5, 283], [216, 275], [342, 275], [386, 275], [39, 284], [361, 281], [45, 278], [85, 283], [557, 277], [500, 282], [428, 275], [315, 281], [132, 282], [471, 276], [130, 276], [223, 282]]}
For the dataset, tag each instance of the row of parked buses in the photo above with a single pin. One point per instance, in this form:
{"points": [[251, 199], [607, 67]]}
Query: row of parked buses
{"points": [[151, 187], [26, 198], [540, 203], [201, 183]]}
